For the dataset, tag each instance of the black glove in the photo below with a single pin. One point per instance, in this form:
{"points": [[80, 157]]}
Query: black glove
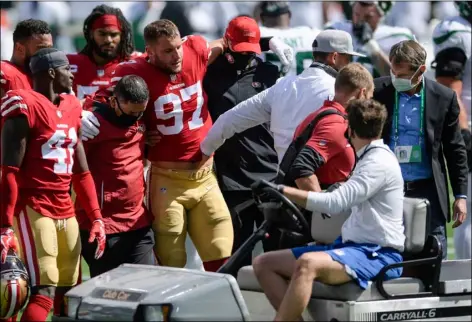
{"points": [[363, 32], [258, 186]]}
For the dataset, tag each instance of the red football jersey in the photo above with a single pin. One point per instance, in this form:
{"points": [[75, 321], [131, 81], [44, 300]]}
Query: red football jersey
{"points": [[16, 77], [115, 159], [89, 77], [46, 172], [329, 141], [177, 106]]}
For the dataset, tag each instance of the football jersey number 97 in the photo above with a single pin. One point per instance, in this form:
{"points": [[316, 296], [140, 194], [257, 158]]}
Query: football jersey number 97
{"points": [[177, 112]]}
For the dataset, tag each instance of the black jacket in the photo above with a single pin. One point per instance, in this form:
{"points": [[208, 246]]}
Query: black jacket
{"points": [[249, 155], [444, 142]]}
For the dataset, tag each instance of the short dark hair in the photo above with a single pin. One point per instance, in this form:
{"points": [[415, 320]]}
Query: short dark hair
{"points": [[126, 47], [353, 77], [320, 57], [366, 118], [131, 88], [159, 28], [408, 51], [28, 28]]}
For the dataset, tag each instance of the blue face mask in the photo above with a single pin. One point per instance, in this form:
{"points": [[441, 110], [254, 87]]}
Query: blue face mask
{"points": [[403, 84]]}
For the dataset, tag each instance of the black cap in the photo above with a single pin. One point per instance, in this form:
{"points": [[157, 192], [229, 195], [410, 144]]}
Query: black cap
{"points": [[47, 58], [274, 8]]}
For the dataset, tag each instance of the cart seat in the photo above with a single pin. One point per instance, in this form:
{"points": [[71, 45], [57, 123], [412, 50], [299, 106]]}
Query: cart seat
{"points": [[415, 213]]}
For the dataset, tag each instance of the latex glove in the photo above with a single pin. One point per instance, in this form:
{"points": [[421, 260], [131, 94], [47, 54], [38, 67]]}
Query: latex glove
{"points": [[90, 126], [98, 233], [283, 51], [7, 241]]}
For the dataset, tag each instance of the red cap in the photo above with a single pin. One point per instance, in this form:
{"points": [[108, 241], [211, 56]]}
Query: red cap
{"points": [[243, 34]]}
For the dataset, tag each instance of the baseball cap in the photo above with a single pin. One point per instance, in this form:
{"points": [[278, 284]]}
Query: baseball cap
{"points": [[330, 41], [46, 58], [243, 34], [274, 8]]}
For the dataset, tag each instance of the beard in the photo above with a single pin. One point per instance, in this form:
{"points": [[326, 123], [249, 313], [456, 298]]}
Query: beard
{"points": [[104, 54]]}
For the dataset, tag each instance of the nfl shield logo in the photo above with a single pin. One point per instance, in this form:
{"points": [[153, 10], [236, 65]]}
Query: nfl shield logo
{"points": [[173, 77], [100, 72], [256, 84], [59, 114]]}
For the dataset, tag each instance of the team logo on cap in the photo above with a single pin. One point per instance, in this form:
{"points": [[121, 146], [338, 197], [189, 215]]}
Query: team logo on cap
{"points": [[248, 33]]}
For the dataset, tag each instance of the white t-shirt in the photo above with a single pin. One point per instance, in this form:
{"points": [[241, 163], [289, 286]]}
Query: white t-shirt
{"points": [[457, 32], [285, 105], [374, 192], [386, 37], [300, 39]]}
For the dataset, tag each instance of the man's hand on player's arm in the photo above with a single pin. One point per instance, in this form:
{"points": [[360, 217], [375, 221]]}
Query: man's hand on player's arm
{"points": [[14, 137], [84, 187]]}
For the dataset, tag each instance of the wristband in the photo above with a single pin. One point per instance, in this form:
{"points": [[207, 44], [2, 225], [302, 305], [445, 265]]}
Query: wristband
{"points": [[9, 194], [86, 196]]}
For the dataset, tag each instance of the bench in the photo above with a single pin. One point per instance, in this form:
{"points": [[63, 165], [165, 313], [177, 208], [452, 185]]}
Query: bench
{"points": [[421, 251]]}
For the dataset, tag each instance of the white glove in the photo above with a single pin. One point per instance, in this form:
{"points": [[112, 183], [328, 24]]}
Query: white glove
{"points": [[282, 50], [90, 126]]}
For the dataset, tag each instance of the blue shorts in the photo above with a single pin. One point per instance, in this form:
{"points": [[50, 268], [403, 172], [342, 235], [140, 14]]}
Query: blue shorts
{"points": [[363, 262]]}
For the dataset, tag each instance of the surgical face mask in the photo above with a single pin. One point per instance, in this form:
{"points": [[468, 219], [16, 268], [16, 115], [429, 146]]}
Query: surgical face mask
{"points": [[403, 84]]}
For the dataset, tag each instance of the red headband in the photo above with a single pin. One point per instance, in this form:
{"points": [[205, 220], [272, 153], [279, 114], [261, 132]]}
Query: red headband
{"points": [[106, 21]]}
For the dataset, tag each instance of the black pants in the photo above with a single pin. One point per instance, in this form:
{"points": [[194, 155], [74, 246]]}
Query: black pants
{"points": [[244, 220], [437, 220], [132, 247]]}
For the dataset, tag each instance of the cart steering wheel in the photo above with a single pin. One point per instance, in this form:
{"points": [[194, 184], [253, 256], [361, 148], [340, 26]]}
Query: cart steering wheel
{"points": [[291, 211]]}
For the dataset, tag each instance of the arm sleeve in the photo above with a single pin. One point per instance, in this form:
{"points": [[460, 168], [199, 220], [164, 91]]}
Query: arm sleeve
{"points": [[454, 149], [245, 115], [306, 163], [367, 179]]}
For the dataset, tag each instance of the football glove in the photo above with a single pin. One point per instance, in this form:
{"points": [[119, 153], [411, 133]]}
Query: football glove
{"points": [[7, 241], [90, 126], [97, 232], [283, 51]]}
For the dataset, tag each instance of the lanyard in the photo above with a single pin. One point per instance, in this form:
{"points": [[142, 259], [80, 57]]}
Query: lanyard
{"points": [[396, 115]]}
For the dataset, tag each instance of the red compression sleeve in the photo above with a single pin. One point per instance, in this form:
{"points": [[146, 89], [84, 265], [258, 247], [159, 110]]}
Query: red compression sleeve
{"points": [[9, 195], [85, 189]]}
